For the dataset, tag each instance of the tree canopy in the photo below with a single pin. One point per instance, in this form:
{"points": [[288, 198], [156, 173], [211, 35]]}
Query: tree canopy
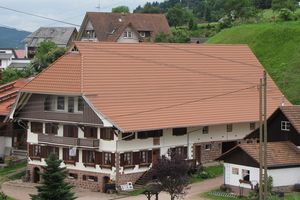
{"points": [[280, 4], [120, 9]]}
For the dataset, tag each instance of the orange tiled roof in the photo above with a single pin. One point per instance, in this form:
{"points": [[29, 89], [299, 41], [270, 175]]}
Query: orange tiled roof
{"points": [[151, 86], [8, 94]]}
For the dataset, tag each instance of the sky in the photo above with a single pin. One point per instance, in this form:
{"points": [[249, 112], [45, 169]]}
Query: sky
{"points": [[71, 11]]}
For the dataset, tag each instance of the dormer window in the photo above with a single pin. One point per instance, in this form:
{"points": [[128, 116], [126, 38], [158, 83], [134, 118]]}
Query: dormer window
{"points": [[89, 34], [285, 126], [142, 34], [127, 34]]}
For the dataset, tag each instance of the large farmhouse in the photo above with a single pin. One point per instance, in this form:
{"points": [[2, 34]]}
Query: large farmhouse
{"points": [[110, 110]]}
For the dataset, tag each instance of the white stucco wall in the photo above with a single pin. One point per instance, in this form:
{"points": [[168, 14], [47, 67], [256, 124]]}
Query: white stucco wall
{"points": [[285, 176], [281, 177], [234, 179]]}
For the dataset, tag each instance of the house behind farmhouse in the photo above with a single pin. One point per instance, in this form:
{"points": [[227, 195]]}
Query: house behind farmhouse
{"points": [[122, 27]]}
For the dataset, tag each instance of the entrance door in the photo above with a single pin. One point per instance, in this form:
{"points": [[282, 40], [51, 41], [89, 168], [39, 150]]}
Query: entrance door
{"points": [[198, 154], [155, 156], [36, 175]]}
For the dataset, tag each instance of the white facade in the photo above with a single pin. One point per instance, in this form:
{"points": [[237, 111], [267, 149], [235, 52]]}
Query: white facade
{"points": [[168, 140], [7, 58], [281, 177]]}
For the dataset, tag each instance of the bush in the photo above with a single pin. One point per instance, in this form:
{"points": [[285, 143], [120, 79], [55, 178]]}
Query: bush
{"points": [[3, 196], [286, 14]]}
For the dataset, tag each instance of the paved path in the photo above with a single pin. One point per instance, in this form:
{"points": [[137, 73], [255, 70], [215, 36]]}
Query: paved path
{"points": [[21, 191]]}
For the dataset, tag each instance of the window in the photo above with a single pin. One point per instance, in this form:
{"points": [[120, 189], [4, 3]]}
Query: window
{"points": [[205, 130], [127, 34], [90, 132], [107, 158], [142, 34], [144, 156], [229, 127], [89, 34], [60, 103], [51, 128], [107, 134], [147, 134], [178, 151], [128, 136], [47, 103], [128, 158], [179, 131], [51, 149], [90, 178], [208, 147], [70, 131], [285, 126], [252, 126], [71, 104], [88, 156], [246, 175], [80, 104], [37, 151], [68, 158], [73, 176], [235, 171], [36, 127]]}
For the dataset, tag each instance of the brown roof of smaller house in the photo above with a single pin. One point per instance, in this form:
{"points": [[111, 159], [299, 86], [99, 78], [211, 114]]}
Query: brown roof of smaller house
{"points": [[109, 26], [293, 114], [8, 94], [279, 154]]}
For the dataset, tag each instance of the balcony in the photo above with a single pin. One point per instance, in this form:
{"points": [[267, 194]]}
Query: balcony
{"points": [[68, 141]]}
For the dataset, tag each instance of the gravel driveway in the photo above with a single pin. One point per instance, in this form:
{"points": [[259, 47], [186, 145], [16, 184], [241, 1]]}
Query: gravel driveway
{"points": [[21, 191]]}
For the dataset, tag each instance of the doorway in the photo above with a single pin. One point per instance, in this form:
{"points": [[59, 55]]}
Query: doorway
{"points": [[155, 156], [36, 175], [198, 154]]}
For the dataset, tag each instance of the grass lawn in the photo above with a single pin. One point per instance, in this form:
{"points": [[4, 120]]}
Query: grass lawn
{"points": [[8, 170], [137, 192], [212, 172], [276, 45], [211, 195], [295, 196]]}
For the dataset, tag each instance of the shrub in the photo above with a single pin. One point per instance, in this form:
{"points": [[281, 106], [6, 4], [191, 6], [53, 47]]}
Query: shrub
{"points": [[286, 14]]}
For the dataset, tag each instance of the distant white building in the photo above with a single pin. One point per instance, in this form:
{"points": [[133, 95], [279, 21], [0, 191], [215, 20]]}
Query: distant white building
{"points": [[242, 166], [12, 58]]}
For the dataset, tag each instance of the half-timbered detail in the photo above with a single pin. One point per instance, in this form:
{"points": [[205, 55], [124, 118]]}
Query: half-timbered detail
{"points": [[111, 115]]}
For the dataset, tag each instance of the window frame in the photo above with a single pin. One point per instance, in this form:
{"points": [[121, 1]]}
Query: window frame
{"points": [[91, 132], [127, 34], [33, 129], [128, 158], [205, 130], [53, 128], [107, 158], [179, 131], [245, 174], [235, 171], [285, 126], [229, 128], [252, 126], [80, 104], [58, 106]]}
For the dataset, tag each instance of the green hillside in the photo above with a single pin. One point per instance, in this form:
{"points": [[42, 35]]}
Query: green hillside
{"points": [[277, 46], [12, 38]]}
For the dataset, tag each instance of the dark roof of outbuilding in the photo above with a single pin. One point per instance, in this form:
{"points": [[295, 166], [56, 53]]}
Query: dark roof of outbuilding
{"points": [[293, 115]]}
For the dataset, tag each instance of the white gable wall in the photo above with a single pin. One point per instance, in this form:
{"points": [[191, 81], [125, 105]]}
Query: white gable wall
{"points": [[133, 39]]}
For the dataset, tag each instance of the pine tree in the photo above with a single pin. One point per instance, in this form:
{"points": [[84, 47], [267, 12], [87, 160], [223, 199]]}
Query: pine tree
{"points": [[53, 186]]}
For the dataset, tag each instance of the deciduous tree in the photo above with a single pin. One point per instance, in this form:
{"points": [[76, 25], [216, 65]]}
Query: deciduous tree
{"points": [[120, 9]]}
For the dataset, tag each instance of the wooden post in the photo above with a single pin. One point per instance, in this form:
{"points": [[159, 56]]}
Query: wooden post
{"points": [[260, 143], [265, 138]]}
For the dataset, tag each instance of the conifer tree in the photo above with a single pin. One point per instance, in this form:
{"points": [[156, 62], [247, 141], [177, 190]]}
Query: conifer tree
{"points": [[53, 185]]}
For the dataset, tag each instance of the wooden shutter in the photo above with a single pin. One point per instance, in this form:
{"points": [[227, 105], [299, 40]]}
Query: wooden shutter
{"points": [[121, 159], [113, 159], [65, 131], [44, 151], [30, 150], [136, 158], [84, 156], [185, 152], [150, 156], [99, 157], [65, 154]]}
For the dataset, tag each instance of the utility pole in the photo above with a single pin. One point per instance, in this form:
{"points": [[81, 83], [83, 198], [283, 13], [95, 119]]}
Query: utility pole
{"points": [[263, 138], [260, 143]]}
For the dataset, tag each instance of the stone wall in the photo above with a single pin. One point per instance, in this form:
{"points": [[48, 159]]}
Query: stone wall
{"points": [[209, 155]]}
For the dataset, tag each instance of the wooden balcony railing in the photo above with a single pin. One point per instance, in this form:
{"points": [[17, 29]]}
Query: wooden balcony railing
{"points": [[68, 141]]}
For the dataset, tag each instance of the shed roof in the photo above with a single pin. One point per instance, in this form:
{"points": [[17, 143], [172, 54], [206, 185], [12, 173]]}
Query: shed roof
{"points": [[153, 86], [279, 154], [59, 35]]}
